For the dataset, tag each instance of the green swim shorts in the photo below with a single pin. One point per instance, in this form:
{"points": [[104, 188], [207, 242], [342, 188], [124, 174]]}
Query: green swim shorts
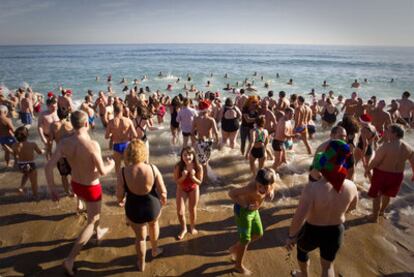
{"points": [[248, 223]]}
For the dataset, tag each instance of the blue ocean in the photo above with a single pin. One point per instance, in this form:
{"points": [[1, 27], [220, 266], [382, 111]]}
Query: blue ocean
{"points": [[45, 68]]}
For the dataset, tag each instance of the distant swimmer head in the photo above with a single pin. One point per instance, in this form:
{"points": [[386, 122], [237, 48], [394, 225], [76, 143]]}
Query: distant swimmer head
{"points": [[332, 163]]}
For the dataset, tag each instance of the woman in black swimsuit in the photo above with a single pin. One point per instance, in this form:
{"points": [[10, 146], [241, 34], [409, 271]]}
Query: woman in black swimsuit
{"points": [[142, 191], [329, 113], [174, 125], [365, 146], [230, 122]]}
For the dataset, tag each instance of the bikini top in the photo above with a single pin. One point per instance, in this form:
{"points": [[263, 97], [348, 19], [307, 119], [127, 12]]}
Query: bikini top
{"points": [[260, 135], [136, 196], [226, 108]]}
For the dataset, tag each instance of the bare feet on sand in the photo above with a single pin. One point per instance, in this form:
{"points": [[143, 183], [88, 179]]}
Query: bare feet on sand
{"points": [[373, 218], [21, 191], [141, 266], [193, 231], [69, 269], [156, 252], [243, 270], [182, 234], [100, 233], [232, 251]]}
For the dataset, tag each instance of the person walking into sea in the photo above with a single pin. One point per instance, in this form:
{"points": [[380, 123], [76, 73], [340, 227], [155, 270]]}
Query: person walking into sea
{"points": [[388, 169], [302, 117], [84, 157], [230, 116], [282, 135], [185, 118], [44, 122], [250, 112], [6, 133], [259, 138], [142, 192], [320, 215]]}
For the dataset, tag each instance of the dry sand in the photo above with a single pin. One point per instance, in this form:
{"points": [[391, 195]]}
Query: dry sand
{"points": [[36, 236]]}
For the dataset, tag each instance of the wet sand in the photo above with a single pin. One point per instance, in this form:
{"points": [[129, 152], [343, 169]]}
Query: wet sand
{"points": [[35, 237]]}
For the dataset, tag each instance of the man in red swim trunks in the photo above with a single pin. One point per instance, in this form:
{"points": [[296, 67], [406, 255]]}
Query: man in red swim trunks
{"points": [[84, 157], [388, 169]]}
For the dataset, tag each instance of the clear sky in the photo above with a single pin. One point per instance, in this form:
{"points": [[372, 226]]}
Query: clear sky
{"points": [[343, 22]]}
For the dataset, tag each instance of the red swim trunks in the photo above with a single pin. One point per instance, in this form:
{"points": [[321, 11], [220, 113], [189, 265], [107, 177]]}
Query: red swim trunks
{"points": [[91, 193], [385, 183]]}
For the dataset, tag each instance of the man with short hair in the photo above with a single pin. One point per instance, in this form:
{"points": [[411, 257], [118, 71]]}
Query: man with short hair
{"points": [[320, 215], [388, 169], [283, 133], [282, 103], [406, 107], [84, 157], [350, 105], [44, 122], [185, 118], [380, 118], [303, 115]]}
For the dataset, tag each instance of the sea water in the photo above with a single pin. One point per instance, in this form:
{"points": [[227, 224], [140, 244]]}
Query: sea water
{"points": [[45, 68]]}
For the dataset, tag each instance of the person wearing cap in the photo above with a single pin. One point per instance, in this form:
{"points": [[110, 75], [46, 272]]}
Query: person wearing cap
{"points": [[406, 107], [388, 169], [320, 215], [65, 103], [6, 133], [380, 118], [247, 201], [26, 109], [204, 134], [44, 122], [367, 138]]}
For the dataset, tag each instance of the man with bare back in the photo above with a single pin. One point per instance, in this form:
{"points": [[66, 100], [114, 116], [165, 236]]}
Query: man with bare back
{"points": [[84, 156], [350, 106], [283, 132], [406, 107], [46, 118], [303, 115], [380, 118]]}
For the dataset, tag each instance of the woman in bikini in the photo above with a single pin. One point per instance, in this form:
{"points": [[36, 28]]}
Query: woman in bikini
{"points": [[141, 190], [230, 122], [259, 139], [174, 125], [188, 174]]}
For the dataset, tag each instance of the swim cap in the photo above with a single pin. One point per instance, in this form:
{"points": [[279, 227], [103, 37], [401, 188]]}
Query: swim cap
{"points": [[50, 94], [332, 163], [203, 105]]}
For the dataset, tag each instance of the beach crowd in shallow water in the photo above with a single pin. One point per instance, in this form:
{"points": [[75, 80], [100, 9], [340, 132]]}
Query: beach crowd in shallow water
{"points": [[369, 133]]}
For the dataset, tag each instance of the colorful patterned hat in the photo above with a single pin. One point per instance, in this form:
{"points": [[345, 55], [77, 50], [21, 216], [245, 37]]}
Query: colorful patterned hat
{"points": [[333, 163]]}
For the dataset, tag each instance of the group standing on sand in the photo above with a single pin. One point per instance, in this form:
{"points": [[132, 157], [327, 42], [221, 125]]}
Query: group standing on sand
{"points": [[268, 129]]}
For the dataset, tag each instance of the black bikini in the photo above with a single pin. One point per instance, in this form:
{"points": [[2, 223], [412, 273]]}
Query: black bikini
{"points": [[329, 117], [142, 208], [174, 123], [144, 136]]}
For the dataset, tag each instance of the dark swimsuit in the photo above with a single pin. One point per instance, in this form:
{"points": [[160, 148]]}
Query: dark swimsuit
{"points": [[144, 136], [174, 123], [259, 152], [142, 208], [229, 125], [329, 117], [360, 145]]}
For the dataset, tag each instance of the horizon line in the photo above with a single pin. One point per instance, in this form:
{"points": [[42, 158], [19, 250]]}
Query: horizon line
{"points": [[205, 43]]}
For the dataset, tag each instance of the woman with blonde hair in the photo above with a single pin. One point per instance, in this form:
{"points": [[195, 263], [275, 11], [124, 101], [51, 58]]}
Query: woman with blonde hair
{"points": [[188, 174], [142, 191]]}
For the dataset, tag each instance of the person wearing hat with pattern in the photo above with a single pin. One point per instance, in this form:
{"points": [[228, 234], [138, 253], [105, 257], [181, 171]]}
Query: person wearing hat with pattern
{"points": [[204, 133], [320, 215]]}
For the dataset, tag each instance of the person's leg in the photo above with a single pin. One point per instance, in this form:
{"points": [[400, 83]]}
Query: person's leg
{"points": [[154, 233], [244, 135], [25, 177], [33, 182], [261, 163], [376, 203], [303, 262], [278, 159], [118, 159], [140, 243], [6, 155], [93, 210], [65, 184], [304, 136], [327, 268], [185, 140], [385, 201], [180, 202], [252, 164], [194, 196], [224, 137], [233, 139]]}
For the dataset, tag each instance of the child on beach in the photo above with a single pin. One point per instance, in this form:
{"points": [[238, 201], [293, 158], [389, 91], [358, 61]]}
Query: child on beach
{"points": [[188, 174], [247, 201], [24, 151]]}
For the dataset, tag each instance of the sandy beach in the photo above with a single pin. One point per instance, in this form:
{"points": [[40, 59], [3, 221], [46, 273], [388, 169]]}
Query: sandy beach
{"points": [[36, 236]]}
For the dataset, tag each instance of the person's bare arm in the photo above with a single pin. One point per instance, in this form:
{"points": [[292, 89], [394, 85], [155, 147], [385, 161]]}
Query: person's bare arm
{"points": [[132, 130], [99, 163], [108, 132], [40, 129], [215, 131], [198, 176], [379, 156], [354, 202], [235, 194], [159, 182], [344, 105], [50, 165], [177, 178], [37, 149]]}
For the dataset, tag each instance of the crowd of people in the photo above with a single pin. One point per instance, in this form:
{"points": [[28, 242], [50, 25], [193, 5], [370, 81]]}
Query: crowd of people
{"points": [[268, 127]]}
